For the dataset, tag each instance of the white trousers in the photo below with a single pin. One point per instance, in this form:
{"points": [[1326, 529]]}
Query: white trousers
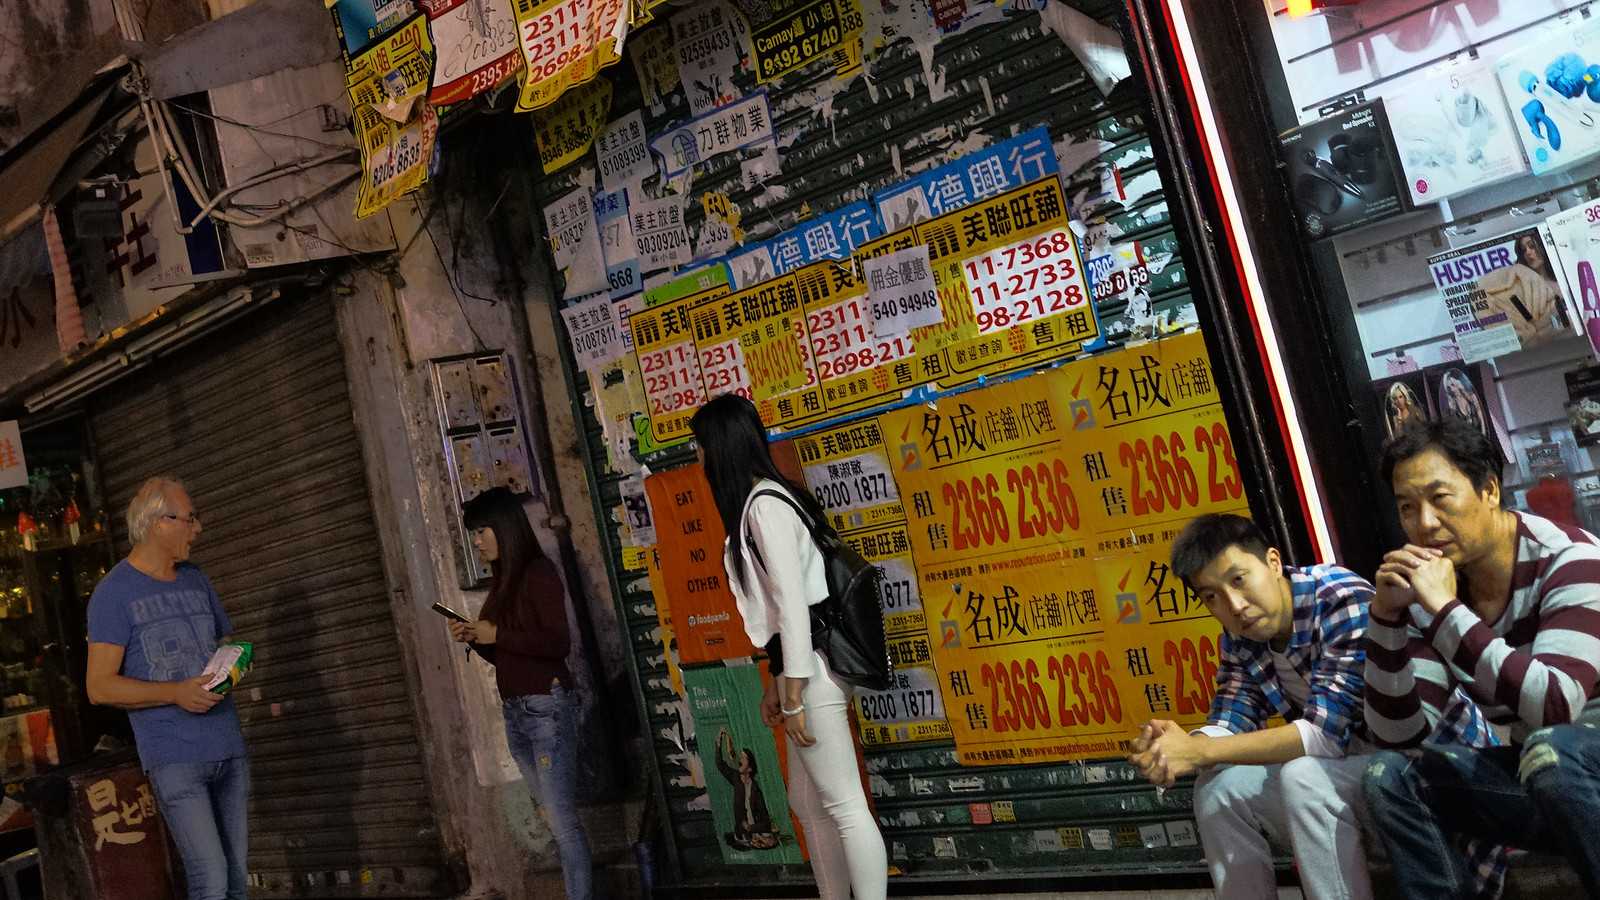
{"points": [[825, 793], [1311, 804]]}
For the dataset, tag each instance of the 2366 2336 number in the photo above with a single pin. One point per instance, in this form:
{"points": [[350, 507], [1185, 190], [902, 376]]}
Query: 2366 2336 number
{"points": [[979, 516], [1018, 701]]}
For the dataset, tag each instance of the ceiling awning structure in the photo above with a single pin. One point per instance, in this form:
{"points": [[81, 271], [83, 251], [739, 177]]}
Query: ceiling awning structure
{"points": [[29, 171]]}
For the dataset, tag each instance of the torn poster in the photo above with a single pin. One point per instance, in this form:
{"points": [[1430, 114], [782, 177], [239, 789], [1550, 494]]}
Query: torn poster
{"points": [[617, 244], [655, 61], [477, 47], [719, 230], [710, 44], [575, 243]]}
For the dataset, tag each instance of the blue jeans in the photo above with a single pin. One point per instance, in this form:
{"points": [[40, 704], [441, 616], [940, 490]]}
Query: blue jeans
{"points": [[542, 730], [206, 806], [1544, 797]]}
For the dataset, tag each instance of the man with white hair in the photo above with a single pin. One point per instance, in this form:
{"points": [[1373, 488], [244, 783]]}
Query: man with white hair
{"points": [[154, 622]]}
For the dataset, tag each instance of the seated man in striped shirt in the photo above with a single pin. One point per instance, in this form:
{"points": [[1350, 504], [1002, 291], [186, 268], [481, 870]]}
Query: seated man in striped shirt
{"points": [[1505, 606], [1292, 648]]}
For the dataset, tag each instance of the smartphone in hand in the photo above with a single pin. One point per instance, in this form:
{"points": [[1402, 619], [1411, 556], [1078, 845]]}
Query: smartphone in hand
{"points": [[451, 614]]}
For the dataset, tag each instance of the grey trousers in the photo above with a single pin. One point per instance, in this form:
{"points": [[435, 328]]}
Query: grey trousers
{"points": [[1310, 804]]}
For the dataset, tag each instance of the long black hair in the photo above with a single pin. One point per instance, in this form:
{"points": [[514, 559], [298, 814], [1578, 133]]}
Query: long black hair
{"points": [[730, 434], [499, 510]]}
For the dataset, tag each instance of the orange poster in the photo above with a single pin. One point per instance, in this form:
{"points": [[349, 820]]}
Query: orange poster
{"points": [[689, 539]]}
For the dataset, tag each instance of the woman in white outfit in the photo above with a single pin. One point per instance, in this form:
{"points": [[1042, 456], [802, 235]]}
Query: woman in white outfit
{"points": [[776, 574]]}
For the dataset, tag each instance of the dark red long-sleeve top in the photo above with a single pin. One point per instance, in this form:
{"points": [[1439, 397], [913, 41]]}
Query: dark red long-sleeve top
{"points": [[530, 648]]}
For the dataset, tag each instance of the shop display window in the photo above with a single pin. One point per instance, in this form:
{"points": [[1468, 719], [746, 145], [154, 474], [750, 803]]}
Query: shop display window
{"points": [[1444, 161]]}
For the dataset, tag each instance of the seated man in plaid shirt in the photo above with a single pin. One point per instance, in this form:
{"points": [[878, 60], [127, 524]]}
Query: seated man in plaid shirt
{"points": [[1292, 648]]}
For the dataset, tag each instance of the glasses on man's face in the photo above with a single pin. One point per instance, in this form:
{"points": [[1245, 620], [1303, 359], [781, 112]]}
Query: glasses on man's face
{"points": [[190, 519]]}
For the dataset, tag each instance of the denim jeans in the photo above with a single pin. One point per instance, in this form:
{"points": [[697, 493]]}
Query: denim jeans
{"points": [[205, 806], [542, 730], [1544, 797]]}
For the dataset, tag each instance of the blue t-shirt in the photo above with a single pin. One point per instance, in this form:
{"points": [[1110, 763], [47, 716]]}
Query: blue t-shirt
{"points": [[168, 630]]}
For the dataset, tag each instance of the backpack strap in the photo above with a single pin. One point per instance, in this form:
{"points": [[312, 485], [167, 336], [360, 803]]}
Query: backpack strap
{"points": [[804, 519]]}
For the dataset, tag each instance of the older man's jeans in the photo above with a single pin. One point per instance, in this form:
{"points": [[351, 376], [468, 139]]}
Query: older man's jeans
{"points": [[206, 806], [1543, 797]]}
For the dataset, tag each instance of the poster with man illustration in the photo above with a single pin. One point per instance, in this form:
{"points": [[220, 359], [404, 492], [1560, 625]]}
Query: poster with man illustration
{"points": [[744, 776]]}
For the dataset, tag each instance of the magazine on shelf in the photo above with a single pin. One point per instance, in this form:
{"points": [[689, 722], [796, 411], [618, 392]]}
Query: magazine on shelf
{"points": [[1503, 294]]}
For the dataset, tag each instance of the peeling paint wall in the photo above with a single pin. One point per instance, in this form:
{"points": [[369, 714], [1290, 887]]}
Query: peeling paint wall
{"points": [[393, 323]]}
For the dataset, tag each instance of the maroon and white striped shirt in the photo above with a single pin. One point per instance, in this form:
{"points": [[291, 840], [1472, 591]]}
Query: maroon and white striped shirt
{"points": [[1535, 666]]}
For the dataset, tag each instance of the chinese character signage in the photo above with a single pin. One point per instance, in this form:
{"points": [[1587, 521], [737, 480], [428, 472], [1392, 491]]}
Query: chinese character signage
{"points": [[988, 289], [565, 43], [592, 328], [1023, 530], [903, 293], [1039, 514], [799, 33], [977, 176], [660, 236], [832, 235], [567, 128], [121, 831], [395, 132], [623, 156], [570, 226], [13, 466], [847, 469], [709, 39], [721, 130]]}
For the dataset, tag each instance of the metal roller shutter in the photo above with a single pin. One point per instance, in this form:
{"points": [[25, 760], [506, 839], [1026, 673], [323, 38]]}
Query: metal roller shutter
{"points": [[256, 420], [940, 819]]}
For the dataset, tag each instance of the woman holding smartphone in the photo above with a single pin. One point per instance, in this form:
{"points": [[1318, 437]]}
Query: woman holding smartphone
{"points": [[522, 631], [776, 573]]}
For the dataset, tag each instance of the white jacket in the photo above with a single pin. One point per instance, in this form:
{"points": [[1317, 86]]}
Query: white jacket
{"points": [[776, 599]]}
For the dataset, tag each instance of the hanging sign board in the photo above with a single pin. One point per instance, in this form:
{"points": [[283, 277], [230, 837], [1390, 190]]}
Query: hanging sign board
{"points": [[13, 465]]}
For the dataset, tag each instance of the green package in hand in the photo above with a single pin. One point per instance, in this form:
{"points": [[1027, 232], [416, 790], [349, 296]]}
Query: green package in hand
{"points": [[228, 665]]}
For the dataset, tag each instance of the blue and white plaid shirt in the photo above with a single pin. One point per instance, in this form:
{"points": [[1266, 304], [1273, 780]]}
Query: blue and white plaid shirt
{"points": [[1327, 648]]}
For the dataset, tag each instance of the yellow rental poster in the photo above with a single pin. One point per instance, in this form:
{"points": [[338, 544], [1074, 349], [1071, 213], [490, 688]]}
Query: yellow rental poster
{"points": [[564, 44], [1039, 515], [847, 469]]}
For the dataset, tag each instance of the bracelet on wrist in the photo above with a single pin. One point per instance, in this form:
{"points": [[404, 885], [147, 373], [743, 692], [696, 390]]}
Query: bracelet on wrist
{"points": [[794, 712]]}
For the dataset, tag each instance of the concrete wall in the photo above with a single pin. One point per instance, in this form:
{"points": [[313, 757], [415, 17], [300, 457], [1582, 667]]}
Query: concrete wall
{"points": [[48, 52], [392, 323]]}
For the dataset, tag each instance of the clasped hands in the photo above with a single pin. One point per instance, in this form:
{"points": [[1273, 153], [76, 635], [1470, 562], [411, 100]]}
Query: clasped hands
{"points": [[1163, 752]]}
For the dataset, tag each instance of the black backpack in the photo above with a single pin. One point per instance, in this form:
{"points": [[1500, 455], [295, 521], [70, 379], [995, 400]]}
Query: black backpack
{"points": [[847, 626]]}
